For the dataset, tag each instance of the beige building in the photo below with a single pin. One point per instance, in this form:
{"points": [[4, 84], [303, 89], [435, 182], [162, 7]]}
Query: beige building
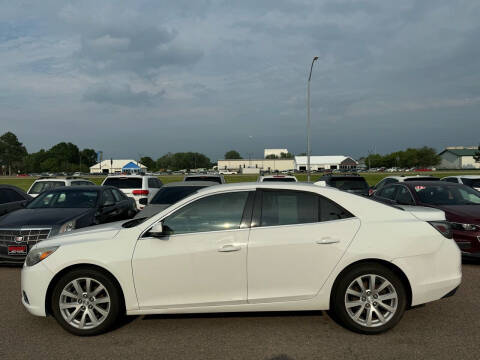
{"points": [[262, 164], [459, 157]]}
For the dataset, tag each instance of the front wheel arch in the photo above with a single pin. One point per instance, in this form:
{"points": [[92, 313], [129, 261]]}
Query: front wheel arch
{"points": [[60, 274], [387, 264]]}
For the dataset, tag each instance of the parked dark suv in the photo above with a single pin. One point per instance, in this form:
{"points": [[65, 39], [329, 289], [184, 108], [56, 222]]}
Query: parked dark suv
{"points": [[352, 183]]}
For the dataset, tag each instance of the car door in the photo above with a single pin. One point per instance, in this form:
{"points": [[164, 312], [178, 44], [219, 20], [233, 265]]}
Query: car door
{"points": [[122, 203], [295, 241], [202, 258], [109, 210], [10, 200]]}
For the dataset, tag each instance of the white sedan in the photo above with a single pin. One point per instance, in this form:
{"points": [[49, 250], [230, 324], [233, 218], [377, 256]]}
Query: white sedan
{"points": [[248, 247]]}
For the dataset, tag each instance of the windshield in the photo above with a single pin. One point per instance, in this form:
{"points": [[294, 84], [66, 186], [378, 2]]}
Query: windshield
{"points": [[124, 183], [216, 179], [349, 183], [471, 182], [170, 195], [42, 186], [447, 195], [282, 179], [65, 199]]}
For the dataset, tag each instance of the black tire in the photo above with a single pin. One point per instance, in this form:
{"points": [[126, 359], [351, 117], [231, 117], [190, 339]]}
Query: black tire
{"points": [[116, 307], [339, 309]]}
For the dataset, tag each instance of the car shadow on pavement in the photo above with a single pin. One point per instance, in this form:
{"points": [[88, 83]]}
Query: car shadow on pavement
{"points": [[234, 315]]}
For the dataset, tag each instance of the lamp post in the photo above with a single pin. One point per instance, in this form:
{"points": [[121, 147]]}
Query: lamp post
{"points": [[308, 118]]}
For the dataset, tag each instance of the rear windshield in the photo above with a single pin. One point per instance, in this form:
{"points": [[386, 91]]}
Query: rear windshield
{"points": [[124, 183], [349, 183], [216, 179], [471, 182], [42, 186], [427, 178], [170, 195], [275, 179]]}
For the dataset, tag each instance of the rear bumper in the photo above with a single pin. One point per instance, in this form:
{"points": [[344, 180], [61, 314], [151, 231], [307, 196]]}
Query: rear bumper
{"points": [[433, 276]]}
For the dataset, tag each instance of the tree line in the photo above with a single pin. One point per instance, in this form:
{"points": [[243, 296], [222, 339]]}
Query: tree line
{"points": [[63, 156], [419, 158]]}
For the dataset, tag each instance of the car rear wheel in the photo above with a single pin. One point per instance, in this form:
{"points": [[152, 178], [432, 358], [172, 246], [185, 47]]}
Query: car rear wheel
{"points": [[86, 302], [369, 299]]}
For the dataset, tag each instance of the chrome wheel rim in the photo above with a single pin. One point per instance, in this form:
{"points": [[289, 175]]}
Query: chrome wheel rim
{"points": [[371, 300], [84, 303]]}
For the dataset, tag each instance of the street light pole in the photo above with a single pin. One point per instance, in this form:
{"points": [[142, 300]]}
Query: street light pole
{"points": [[308, 118]]}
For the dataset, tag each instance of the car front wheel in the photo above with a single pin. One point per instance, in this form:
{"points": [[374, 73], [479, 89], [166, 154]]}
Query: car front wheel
{"points": [[86, 302], [369, 299]]}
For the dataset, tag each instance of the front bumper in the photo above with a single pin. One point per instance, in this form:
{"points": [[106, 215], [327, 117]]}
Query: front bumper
{"points": [[35, 281]]}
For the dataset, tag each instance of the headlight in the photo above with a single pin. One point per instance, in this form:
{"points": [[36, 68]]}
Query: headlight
{"points": [[68, 226], [37, 255], [465, 227]]}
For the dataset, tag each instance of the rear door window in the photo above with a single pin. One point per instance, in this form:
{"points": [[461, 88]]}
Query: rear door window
{"points": [[388, 192], [404, 196], [124, 183], [288, 207]]}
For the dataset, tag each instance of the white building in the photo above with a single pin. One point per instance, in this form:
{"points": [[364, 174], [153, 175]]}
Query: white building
{"points": [[459, 157], [268, 165], [325, 163], [117, 167], [276, 152]]}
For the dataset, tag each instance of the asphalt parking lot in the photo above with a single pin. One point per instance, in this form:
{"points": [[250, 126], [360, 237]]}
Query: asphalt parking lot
{"points": [[446, 329]]}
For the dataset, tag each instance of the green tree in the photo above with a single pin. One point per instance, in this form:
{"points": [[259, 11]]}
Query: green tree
{"points": [[286, 155], [183, 160], [12, 152], [271, 156], [149, 163], [88, 157], [232, 155]]}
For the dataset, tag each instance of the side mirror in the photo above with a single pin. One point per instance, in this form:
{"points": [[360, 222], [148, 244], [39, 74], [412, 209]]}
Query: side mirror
{"points": [[143, 201], [156, 230]]}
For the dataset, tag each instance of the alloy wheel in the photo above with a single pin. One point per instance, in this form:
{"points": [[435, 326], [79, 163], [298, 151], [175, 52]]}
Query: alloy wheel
{"points": [[84, 303], [371, 300]]}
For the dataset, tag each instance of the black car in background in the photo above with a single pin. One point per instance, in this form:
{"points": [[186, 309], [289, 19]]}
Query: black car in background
{"points": [[169, 194], [351, 183], [12, 198], [460, 203], [57, 211]]}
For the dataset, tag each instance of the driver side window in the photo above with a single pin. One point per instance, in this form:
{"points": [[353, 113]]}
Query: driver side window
{"points": [[108, 198], [211, 213]]}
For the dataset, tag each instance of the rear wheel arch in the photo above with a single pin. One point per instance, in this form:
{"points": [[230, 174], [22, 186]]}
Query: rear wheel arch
{"points": [[387, 264], [60, 274]]}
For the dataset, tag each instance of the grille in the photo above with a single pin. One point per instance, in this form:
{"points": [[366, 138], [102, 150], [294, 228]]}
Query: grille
{"points": [[27, 235]]}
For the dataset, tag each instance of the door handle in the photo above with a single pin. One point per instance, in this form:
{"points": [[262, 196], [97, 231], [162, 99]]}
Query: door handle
{"points": [[229, 248], [327, 240]]}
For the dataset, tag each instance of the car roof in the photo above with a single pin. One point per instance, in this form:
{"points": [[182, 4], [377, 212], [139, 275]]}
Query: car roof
{"points": [[278, 176], [203, 175], [82, 187], [408, 177], [463, 176], [12, 187], [429, 183], [190, 183], [260, 185], [128, 175]]}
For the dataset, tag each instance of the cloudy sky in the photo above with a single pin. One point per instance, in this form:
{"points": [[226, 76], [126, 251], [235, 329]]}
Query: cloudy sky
{"points": [[135, 78]]}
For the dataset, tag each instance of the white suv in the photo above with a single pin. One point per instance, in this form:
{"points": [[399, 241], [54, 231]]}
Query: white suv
{"points": [[135, 186], [470, 180], [276, 178], [49, 183]]}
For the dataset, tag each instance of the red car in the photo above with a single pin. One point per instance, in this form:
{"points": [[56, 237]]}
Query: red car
{"points": [[460, 203]]}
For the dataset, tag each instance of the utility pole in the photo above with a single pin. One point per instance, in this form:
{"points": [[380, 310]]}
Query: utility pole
{"points": [[308, 118]]}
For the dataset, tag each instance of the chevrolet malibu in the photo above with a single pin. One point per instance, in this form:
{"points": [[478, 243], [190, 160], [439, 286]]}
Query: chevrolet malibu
{"points": [[248, 247]]}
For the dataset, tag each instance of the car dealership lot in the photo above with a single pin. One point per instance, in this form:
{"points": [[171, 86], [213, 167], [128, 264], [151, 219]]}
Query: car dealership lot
{"points": [[440, 330]]}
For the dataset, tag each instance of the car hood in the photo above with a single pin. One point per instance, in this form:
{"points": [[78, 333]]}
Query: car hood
{"points": [[151, 210], [90, 233], [462, 213], [26, 217]]}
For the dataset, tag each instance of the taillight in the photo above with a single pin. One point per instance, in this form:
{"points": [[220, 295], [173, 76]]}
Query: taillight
{"points": [[140, 192], [443, 228]]}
